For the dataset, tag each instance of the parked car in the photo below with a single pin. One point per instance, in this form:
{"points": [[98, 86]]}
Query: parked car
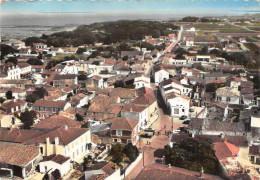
{"points": [[183, 117]]}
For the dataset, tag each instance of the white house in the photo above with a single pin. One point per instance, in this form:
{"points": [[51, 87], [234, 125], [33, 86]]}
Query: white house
{"points": [[186, 72], [136, 112], [178, 104], [67, 141], [25, 68], [11, 72], [50, 163], [161, 75], [142, 81], [228, 95], [190, 42], [19, 44], [40, 46]]}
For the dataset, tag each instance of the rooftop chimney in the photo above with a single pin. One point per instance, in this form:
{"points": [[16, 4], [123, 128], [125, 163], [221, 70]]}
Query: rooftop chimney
{"points": [[66, 127], [56, 141]]}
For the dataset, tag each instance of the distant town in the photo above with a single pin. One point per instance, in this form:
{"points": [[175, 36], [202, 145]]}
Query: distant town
{"points": [[144, 100]]}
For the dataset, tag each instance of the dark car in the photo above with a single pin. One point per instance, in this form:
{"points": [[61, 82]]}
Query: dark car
{"points": [[183, 117]]}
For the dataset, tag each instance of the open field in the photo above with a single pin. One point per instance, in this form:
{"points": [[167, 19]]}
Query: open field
{"points": [[220, 27]]}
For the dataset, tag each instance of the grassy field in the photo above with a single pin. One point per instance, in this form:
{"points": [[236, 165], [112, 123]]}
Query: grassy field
{"points": [[220, 26]]}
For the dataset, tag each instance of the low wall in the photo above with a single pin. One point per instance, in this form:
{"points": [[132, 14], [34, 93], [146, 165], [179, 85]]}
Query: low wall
{"points": [[116, 175]]}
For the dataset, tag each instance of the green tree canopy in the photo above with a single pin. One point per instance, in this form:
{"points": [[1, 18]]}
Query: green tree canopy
{"points": [[12, 60], [34, 61], [9, 95], [193, 155], [27, 118]]}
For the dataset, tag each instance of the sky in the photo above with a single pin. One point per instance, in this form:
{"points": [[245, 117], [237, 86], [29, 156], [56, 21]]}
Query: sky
{"points": [[189, 7]]}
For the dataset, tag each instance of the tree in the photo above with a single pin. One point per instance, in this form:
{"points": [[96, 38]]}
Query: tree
{"points": [[192, 155], [5, 49], [34, 61], [81, 50], [40, 92], [56, 174], [117, 153], [69, 95], [12, 60], [131, 151], [79, 117], [82, 77], [9, 95], [2, 100], [125, 58], [203, 51], [27, 118], [31, 98]]}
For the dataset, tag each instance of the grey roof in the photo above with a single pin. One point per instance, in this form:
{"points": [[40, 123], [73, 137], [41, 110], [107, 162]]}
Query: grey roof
{"points": [[100, 127]]}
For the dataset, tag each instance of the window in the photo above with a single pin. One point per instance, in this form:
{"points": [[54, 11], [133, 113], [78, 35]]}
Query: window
{"points": [[183, 110], [176, 111], [41, 149], [228, 99], [119, 132], [219, 98]]}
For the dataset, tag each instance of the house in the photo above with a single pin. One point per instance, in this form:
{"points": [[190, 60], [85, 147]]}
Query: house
{"points": [[18, 44], [50, 163], [123, 130], [95, 81], [228, 95], [10, 71], [9, 121], [231, 48], [25, 51], [160, 74], [103, 106], [242, 40], [25, 69], [178, 104], [154, 171], [142, 81], [148, 99], [138, 113], [66, 141], [56, 121], [18, 160], [100, 170], [132, 54], [40, 45], [17, 93], [78, 100], [190, 42], [13, 106], [254, 154], [47, 108], [64, 80], [186, 72]]}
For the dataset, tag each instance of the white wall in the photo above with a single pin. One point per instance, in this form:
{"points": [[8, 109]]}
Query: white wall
{"points": [[53, 165], [181, 104], [77, 148]]}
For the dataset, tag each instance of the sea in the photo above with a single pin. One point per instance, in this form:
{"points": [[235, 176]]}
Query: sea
{"points": [[20, 26]]}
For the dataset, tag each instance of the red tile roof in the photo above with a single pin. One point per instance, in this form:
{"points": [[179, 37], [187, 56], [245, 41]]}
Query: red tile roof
{"points": [[65, 136], [18, 135], [43, 103], [60, 159], [57, 121], [225, 150], [146, 99], [119, 123], [160, 171], [17, 154], [134, 108]]}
